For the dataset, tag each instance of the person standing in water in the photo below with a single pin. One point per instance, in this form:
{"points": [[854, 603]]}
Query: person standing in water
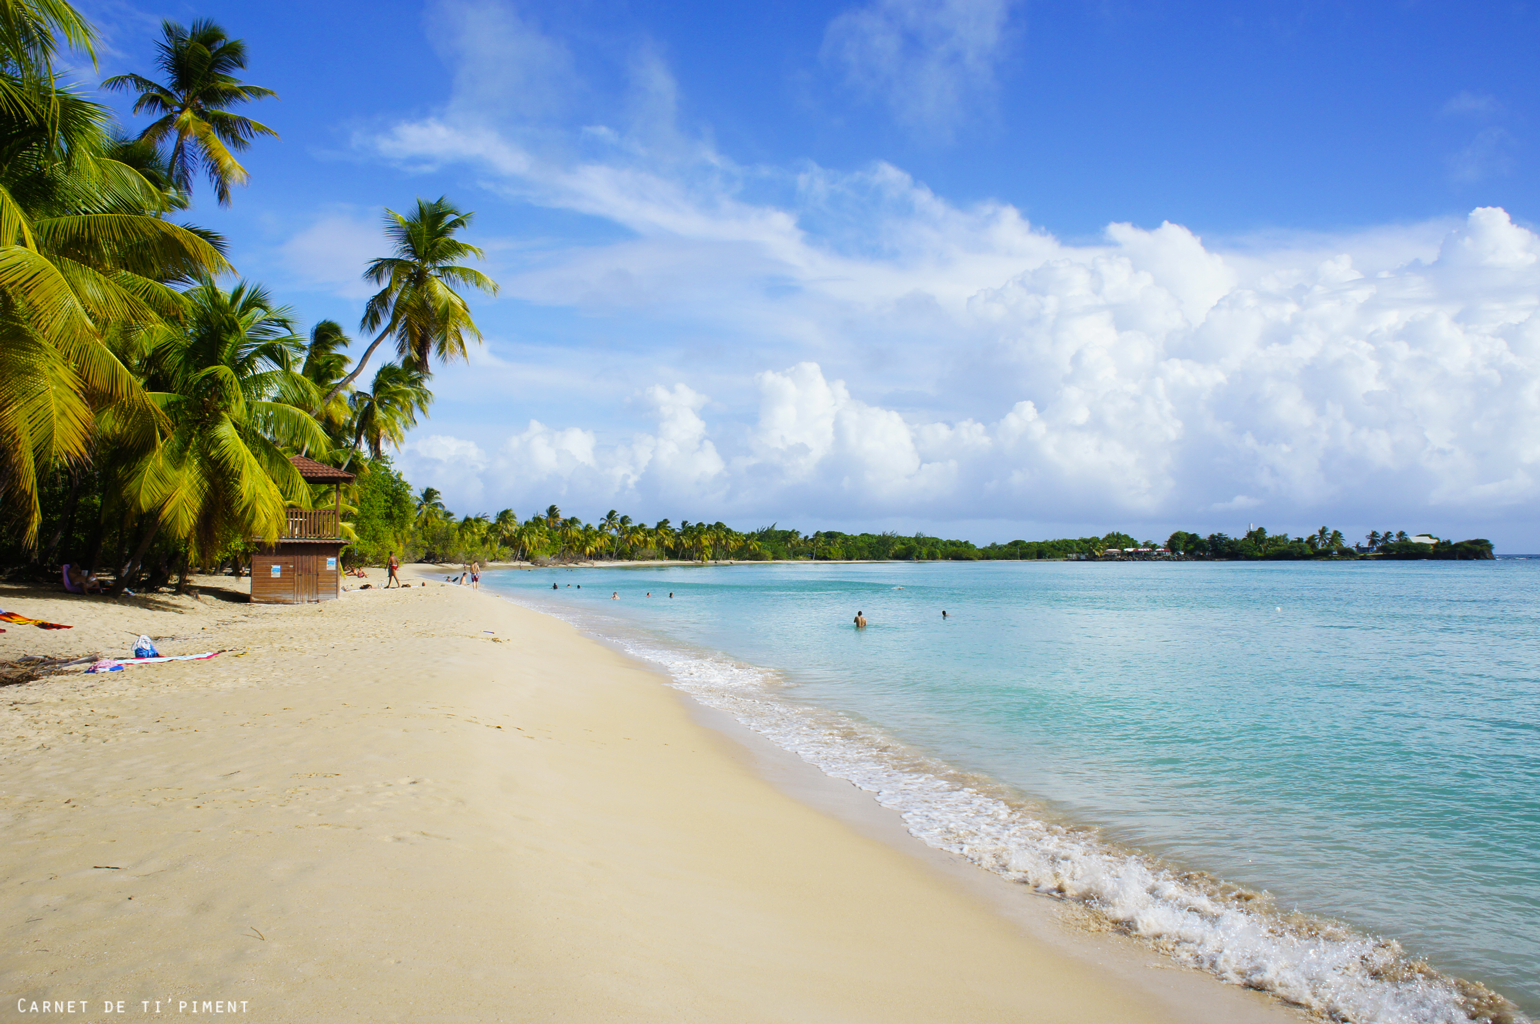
{"points": [[860, 620]]}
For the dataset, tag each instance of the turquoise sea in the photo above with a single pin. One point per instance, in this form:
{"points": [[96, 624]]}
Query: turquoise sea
{"points": [[1318, 779]]}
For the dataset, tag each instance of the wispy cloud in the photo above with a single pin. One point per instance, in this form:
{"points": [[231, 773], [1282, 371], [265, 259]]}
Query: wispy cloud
{"points": [[1488, 155], [330, 254], [931, 63], [1466, 103]]}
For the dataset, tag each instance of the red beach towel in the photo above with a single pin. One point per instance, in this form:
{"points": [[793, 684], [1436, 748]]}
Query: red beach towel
{"points": [[22, 620]]}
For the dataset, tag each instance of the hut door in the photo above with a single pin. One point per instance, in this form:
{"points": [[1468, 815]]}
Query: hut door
{"points": [[307, 582]]}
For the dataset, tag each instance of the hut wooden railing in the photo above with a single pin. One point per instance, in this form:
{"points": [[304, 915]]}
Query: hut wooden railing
{"points": [[310, 524]]}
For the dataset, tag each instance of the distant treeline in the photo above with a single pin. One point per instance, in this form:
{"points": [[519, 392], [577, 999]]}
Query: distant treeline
{"points": [[391, 519]]}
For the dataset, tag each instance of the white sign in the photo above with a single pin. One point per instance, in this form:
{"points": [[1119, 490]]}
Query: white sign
{"points": [[277, 570]]}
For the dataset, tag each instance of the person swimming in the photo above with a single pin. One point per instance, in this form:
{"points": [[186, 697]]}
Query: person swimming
{"points": [[860, 620], [944, 614], [614, 595]]}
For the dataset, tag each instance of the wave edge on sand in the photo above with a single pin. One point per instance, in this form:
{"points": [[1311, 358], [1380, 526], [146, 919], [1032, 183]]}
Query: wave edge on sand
{"points": [[1326, 967]]}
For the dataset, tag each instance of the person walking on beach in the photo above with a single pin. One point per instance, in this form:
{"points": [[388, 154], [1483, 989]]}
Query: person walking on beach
{"points": [[860, 621], [390, 568]]}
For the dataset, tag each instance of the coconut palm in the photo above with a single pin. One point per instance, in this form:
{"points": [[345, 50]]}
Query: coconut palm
{"points": [[30, 34], [505, 526], [193, 104], [430, 504], [384, 413], [417, 304], [86, 260], [662, 537], [229, 386], [324, 366]]}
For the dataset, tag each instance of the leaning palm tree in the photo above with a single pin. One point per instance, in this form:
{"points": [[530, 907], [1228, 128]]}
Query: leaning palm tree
{"points": [[384, 413], [192, 103], [417, 304], [228, 384]]}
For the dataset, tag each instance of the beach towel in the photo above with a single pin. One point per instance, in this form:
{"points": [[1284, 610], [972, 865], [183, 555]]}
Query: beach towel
{"points": [[22, 620], [116, 664]]}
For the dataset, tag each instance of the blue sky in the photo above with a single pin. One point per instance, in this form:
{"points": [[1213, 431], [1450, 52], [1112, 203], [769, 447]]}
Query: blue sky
{"points": [[984, 268]]}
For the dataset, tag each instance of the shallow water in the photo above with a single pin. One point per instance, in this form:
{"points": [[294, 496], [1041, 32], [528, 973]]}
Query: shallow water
{"points": [[1362, 741]]}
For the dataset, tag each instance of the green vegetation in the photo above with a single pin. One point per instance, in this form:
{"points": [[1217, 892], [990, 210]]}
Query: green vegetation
{"points": [[148, 410]]}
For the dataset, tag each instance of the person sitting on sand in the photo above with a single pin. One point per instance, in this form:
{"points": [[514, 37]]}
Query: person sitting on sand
{"points": [[860, 621], [390, 567], [84, 580]]}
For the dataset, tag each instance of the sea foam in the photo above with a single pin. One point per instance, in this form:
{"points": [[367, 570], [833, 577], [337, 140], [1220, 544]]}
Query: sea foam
{"points": [[1330, 969]]}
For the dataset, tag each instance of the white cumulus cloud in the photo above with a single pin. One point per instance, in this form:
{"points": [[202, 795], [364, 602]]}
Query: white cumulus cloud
{"points": [[873, 351]]}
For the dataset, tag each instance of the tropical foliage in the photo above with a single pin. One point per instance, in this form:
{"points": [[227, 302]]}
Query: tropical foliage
{"points": [[192, 104], [148, 408]]}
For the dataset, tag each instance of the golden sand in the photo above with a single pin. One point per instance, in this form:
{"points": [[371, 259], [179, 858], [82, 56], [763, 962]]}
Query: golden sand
{"points": [[432, 805]]}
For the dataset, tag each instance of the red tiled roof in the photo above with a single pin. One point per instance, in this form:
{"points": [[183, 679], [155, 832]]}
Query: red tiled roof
{"points": [[318, 473]]}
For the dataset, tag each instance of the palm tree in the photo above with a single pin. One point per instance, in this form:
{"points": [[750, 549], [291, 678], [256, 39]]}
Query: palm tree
{"points": [[417, 304], [430, 504], [529, 537], [325, 364], [228, 385], [662, 537], [610, 524], [389, 408], [552, 515], [505, 528], [85, 263], [29, 41], [193, 102]]}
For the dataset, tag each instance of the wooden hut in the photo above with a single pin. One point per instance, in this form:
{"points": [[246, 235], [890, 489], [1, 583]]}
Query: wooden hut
{"points": [[302, 565]]}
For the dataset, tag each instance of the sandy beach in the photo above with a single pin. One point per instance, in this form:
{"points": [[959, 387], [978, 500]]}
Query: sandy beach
{"points": [[430, 804]]}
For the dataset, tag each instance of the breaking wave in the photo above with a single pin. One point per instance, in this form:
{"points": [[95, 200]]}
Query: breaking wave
{"points": [[1336, 972]]}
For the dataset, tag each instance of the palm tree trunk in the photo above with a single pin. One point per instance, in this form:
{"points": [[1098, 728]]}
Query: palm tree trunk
{"points": [[133, 563], [350, 378]]}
